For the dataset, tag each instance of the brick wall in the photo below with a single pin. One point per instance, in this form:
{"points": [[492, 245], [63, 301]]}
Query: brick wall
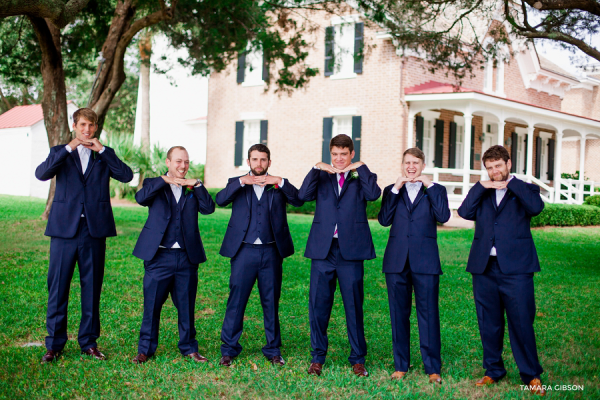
{"points": [[570, 158]]}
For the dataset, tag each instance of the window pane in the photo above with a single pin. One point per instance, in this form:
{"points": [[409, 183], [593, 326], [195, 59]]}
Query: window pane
{"points": [[342, 126], [251, 136]]}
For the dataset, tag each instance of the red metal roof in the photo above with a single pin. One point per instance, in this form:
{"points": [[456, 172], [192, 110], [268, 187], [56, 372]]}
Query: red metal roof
{"points": [[433, 87], [21, 116]]}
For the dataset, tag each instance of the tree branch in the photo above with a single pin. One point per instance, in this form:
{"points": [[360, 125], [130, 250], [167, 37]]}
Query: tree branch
{"points": [[57, 12]]}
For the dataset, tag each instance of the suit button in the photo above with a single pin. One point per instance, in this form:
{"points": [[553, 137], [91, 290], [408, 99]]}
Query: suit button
{"points": [[338, 207], [332, 224], [412, 220], [495, 223], [491, 238], [162, 232], [258, 213], [244, 230], [407, 235], [248, 217]]}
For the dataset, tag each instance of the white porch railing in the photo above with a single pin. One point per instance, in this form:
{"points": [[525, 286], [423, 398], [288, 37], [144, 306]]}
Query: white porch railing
{"points": [[572, 191]]}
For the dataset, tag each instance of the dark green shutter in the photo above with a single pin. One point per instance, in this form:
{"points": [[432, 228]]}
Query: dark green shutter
{"points": [[327, 131], [538, 157], [525, 163], [358, 47], [514, 147], [452, 147], [239, 143], [420, 121], [265, 66], [329, 53], [356, 128], [551, 144], [439, 143], [472, 161], [241, 67], [264, 129]]}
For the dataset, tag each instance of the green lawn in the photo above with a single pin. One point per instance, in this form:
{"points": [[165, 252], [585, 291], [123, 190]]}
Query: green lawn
{"points": [[567, 296]]}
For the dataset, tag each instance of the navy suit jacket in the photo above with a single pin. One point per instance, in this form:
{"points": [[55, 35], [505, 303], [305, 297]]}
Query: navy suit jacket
{"points": [[78, 194], [506, 226], [348, 210], [240, 214], [414, 229], [155, 195]]}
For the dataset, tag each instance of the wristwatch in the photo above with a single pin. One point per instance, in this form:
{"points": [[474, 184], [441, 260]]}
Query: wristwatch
{"points": [[198, 182]]}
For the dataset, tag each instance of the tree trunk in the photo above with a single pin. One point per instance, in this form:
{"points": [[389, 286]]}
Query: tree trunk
{"points": [[54, 100], [145, 53], [5, 100]]}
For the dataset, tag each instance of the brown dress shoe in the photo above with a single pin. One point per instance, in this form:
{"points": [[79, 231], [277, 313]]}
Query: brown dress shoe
{"points": [[486, 380], [315, 369], [435, 378], [398, 375], [196, 357], [140, 359], [50, 356], [359, 370], [226, 361], [535, 386], [94, 352], [277, 360]]}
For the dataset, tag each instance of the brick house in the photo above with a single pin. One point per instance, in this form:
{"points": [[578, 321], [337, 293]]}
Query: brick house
{"points": [[389, 102]]}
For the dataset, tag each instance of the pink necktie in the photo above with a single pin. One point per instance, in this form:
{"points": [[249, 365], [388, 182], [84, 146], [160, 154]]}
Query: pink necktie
{"points": [[341, 183]]}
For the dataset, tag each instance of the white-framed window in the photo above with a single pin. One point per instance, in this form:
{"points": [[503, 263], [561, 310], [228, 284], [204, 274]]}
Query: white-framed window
{"points": [[429, 141], [545, 136], [345, 37], [342, 125], [521, 134], [251, 137], [460, 145], [253, 72]]}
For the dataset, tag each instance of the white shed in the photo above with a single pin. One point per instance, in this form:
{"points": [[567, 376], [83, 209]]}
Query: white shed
{"points": [[24, 146]]}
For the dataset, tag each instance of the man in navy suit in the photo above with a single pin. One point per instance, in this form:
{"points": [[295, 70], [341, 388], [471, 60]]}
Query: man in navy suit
{"points": [[80, 220], [413, 206], [502, 262], [171, 248], [338, 243], [257, 240]]}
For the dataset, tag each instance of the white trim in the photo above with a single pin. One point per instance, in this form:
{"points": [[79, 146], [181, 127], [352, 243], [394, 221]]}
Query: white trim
{"points": [[545, 135], [342, 111], [340, 76], [253, 84], [249, 116], [347, 19]]}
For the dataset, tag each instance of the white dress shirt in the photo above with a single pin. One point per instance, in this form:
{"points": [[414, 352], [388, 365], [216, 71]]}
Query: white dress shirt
{"points": [[499, 196], [335, 232], [412, 188], [84, 157], [259, 190]]}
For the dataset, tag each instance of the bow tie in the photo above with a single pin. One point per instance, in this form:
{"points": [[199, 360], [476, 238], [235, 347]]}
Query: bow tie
{"points": [[412, 186]]}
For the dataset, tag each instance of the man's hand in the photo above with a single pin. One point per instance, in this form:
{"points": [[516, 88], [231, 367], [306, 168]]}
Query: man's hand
{"points": [[353, 166], [494, 184], [94, 145], [169, 180], [422, 178], [327, 168], [401, 181], [247, 180], [184, 182], [271, 180], [74, 143]]}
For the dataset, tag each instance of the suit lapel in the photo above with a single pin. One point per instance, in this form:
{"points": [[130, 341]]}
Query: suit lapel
{"points": [[269, 191], [75, 155], [405, 198], [334, 183], [346, 184], [183, 198], [420, 195], [504, 201], [168, 194], [249, 190]]}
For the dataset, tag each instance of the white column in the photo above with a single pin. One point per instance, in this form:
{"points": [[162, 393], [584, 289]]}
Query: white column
{"points": [[581, 166], [500, 77], [501, 126], [411, 130], [529, 166], [557, 166], [467, 153], [489, 76]]}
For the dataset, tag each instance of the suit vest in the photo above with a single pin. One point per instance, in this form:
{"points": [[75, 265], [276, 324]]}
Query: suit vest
{"points": [[174, 231], [260, 219]]}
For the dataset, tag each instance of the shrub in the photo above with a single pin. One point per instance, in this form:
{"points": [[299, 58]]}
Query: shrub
{"points": [[593, 200], [567, 215]]}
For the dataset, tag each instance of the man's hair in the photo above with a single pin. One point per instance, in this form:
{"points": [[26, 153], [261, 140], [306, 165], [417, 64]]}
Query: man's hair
{"points": [[86, 113], [174, 148], [494, 153], [342, 141], [261, 148], [415, 152]]}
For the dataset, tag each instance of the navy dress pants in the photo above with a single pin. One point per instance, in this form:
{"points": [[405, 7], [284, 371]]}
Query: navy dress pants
{"points": [[253, 262], [169, 272], [496, 293], [324, 275], [427, 288], [88, 253]]}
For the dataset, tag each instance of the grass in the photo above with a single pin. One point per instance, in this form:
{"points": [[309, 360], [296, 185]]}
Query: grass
{"points": [[567, 328]]}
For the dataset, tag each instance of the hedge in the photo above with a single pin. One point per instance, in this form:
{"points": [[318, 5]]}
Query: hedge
{"points": [[593, 200], [567, 215], [553, 214]]}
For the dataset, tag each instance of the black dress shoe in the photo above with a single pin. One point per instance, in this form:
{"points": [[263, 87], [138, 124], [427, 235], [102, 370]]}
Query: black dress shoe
{"points": [[226, 361], [140, 359], [196, 357], [94, 352], [277, 360], [50, 356]]}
